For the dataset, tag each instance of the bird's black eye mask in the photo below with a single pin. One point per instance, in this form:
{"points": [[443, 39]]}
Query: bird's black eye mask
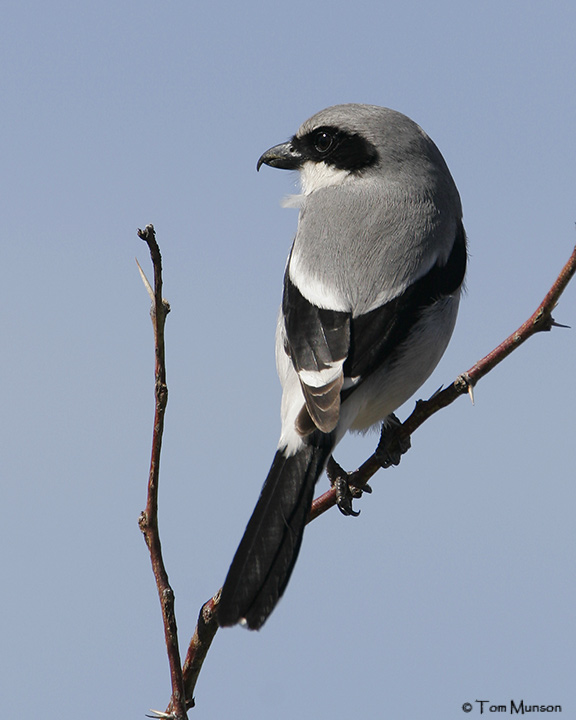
{"points": [[341, 149]]}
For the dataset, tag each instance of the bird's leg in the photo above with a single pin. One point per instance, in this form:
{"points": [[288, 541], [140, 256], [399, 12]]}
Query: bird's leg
{"points": [[345, 491], [392, 445]]}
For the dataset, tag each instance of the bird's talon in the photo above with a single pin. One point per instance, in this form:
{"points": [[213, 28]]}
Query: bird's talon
{"points": [[344, 496], [392, 445]]}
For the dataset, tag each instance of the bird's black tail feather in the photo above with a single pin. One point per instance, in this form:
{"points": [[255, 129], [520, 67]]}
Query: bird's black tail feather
{"points": [[267, 553]]}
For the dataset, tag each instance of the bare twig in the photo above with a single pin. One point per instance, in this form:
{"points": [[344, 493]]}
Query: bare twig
{"points": [[148, 520], [199, 645], [540, 320]]}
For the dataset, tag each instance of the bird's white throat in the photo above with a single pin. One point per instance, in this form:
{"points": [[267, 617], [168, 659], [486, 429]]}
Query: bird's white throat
{"points": [[316, 175]]}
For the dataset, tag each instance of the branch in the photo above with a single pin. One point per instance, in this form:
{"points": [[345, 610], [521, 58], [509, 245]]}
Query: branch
{"points": [[148, 520]]}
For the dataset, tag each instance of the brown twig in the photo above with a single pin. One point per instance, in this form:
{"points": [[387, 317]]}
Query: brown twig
{"points": [[148, 520], [199, 645], [540, 320]]}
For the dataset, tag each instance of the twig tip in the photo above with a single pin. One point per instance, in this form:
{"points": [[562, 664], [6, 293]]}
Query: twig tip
{"points": [[148, 230]]}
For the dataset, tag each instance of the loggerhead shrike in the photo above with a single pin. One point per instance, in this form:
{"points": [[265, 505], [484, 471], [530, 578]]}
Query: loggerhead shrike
{"points": [[371, 293]]}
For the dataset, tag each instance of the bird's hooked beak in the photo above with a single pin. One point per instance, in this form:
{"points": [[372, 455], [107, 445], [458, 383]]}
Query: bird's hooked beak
{"points": [[283, 156]]}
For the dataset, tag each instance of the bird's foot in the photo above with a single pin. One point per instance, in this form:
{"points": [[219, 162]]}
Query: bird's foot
{"points": [[346, 491], [392, 445]]}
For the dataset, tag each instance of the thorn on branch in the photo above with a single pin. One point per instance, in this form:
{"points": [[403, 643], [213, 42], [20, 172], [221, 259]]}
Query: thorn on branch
{"points": [[543, 322], [463, 382], [145, 281], [150, 291]]}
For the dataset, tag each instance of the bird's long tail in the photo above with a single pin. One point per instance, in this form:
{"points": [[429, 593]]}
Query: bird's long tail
{"points": [[267, 553]]}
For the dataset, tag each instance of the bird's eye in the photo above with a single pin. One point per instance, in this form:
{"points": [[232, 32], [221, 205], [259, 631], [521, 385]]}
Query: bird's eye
{"points": [[323, 141]]}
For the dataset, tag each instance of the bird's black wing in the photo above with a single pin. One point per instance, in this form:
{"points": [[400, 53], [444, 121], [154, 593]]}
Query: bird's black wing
{"points": [[317, 341], [375, 335]]}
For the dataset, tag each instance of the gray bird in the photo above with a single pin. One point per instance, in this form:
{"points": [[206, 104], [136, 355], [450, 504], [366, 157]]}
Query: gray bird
{"points": [[371, 293]]}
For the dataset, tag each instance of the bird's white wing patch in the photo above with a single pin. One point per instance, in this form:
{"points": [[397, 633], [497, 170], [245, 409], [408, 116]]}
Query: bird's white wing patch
{"points": [[319, 378]]}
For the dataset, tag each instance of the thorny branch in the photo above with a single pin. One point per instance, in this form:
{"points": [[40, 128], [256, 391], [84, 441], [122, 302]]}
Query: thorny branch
{"points": [[148, 520], [183, 685]]}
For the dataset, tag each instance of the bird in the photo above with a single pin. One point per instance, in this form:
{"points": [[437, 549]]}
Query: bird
{"points": [[370, 298]]}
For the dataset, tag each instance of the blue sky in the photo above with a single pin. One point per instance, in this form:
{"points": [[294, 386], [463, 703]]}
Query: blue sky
{"points": [[457, 581]]}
